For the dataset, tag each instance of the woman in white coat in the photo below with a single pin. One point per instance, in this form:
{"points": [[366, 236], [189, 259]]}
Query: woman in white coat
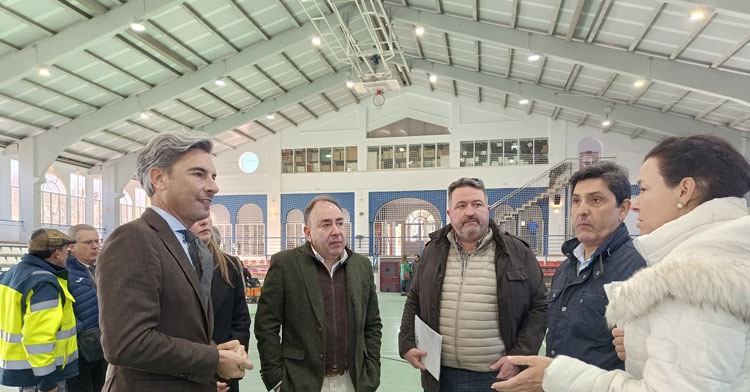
{"points": [[686, 317]]}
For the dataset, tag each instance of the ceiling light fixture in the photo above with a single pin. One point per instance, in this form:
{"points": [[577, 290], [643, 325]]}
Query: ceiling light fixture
{"points": [[639, 83], [349, 84], [524, 101], [433, 78], [137, 26], [44, 71], [697, 15], [316, 41], [270, 116], [419, 31], [144, 116], [534, 57], [607, 122], [220, 82]]}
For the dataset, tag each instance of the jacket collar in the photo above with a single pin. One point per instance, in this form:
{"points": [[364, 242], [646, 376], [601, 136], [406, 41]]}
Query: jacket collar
{"points": [[169, 238], [614, 241], [45, 265], [704, 264], [659, 243], [441, 236]]}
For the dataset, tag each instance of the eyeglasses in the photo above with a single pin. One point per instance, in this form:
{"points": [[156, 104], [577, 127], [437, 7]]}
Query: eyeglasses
{"points": [[89, 242]]}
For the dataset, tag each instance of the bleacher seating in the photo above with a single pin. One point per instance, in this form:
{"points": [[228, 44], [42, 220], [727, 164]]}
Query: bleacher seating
{"points": [[10, 254]]}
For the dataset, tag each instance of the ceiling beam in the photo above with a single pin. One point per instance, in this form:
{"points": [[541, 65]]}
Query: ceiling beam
{"points": [[574, 20], [293, 97], [307, 110], [635, 116], [208, 26], [555, 17], [600, 15], [706, 80], [84, 34], [646, 27], [57, 139], [328, 101]]}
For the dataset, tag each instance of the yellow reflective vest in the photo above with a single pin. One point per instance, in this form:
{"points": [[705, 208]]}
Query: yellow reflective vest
{"points": [[38, 344]]}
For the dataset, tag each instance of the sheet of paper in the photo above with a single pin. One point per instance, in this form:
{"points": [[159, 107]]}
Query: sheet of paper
{"points": [[430, 341]]}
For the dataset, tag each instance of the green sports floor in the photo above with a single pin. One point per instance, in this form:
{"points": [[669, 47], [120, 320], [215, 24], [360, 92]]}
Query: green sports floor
{"points": [[396, 374]]}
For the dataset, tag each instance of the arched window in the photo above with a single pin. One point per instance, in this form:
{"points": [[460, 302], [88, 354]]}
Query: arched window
{"points": [[531, 230], [402, 226], [54, 203], [295, 235], [141, 201], [98, 220], [251, 233], [347, 226], [77, 199], [132, 207], [223, 223], [126, 209], [15, 192], [505, 218]]}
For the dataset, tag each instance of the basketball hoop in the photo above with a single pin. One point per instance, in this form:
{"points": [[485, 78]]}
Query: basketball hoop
{"points": [[378, 99]]}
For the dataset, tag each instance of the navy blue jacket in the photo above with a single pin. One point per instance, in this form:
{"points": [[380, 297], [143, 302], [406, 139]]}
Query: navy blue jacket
{"points": [[577, 327], [81, 287]]}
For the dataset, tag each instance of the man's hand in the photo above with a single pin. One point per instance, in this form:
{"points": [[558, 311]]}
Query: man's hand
{"points": [[222, 387], [233, 345], [529, 380], [232, 365], [619, 342], [507, 369], [414, 357]]}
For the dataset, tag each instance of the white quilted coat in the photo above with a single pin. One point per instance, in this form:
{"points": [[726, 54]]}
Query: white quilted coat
{"points": [[686, 317]]}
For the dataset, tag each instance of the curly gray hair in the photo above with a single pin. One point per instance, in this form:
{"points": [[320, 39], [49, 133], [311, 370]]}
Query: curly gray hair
{"points": [[165, 150]]}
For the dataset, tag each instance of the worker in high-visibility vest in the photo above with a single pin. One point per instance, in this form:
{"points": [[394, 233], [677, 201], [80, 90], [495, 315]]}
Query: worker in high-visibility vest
{"points": [[38, 348]]}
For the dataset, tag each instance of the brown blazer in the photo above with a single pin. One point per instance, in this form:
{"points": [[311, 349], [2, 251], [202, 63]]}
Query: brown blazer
{"points": [[156, 328]]}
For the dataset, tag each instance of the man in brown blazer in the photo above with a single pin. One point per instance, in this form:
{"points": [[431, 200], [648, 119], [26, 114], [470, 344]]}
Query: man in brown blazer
{"points": [[154, 279]]}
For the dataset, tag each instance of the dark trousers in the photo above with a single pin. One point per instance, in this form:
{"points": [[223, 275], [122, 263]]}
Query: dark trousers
{"points": [[60, 388], [461, 380], [90, 378]]}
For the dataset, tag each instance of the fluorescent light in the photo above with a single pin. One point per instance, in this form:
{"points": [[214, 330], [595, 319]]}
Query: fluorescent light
{"points": [[433, 78], [697, 15], [534, 57], [44, 71], [419, 31], [220, 82], [316, 41], [606, 123], [524, 101], [639, 83], [270, 116], [137, 26]]}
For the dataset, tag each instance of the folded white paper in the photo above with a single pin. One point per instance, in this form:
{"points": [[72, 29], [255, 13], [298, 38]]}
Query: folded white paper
{"points": [[431, 342]]}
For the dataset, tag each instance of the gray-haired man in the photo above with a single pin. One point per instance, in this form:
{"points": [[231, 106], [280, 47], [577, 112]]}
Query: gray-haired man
{"points": [[154, 279]]}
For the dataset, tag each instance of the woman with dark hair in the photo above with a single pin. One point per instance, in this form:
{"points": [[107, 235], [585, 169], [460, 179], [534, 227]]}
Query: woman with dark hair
{"points": [[404, 274], [231, 317], [686, 317]]}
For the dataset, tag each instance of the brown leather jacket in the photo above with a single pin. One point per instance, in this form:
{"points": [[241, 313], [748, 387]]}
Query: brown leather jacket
{"points": [[521, 295]]}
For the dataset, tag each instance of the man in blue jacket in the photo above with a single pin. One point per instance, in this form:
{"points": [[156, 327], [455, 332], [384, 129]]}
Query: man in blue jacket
{"points": [[602, 252], [92, 367]]}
